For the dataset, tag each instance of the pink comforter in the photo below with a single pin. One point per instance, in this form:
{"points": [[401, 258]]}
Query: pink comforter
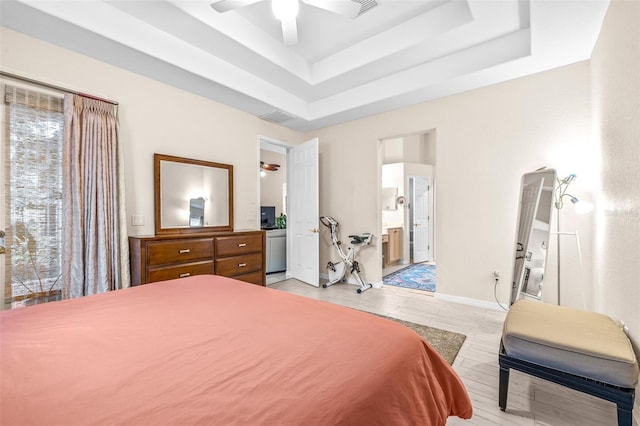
{"points": [[212, 350]]}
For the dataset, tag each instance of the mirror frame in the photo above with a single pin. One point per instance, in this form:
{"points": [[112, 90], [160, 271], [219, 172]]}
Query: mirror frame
{"points": [[517, 290], [157, 158]]}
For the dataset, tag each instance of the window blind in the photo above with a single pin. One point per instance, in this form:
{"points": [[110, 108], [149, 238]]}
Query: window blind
{"points": [[33, 191]]}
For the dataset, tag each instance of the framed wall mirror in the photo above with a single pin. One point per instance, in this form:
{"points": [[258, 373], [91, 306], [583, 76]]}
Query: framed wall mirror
{"points": [[389, 198], [532, 234], [192, 196]]}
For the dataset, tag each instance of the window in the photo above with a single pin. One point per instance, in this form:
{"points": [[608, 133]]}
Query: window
{"points": [[33, 195]]}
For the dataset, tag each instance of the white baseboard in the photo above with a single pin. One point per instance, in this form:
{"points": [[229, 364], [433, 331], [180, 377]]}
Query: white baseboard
{"points": [[446, 297], [468, 301]]}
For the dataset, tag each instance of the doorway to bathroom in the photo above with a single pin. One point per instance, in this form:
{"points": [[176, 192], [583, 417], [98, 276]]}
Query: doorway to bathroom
{"points": [[407, 191]]}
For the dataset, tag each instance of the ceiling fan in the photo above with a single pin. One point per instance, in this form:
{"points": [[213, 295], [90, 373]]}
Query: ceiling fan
{"points": [[287, 10], [269, 167]]}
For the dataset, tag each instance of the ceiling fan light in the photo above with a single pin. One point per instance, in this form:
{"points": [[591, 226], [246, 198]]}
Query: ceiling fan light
{"points": [[285, 10]]}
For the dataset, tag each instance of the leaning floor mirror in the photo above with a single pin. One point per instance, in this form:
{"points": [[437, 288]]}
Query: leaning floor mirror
{"points": [[532, 234]]}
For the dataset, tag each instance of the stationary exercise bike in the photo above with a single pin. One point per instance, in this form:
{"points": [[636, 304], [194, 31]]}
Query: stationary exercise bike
{"points": [[338, 270]]}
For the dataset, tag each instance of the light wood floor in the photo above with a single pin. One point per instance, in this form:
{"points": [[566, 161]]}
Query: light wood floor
{"points": [[531, 401]]}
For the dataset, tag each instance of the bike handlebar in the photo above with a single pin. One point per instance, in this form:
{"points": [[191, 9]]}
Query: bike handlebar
{"points": [[328, 221]]}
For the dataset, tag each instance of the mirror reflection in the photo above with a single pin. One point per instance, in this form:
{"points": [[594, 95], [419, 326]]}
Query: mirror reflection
{"points": [[192, 195], [196, 212], [532, 234]]}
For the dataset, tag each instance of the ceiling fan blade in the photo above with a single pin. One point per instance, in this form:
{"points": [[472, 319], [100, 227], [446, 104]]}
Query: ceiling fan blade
{"points": [[226, 5], [270, 167], [347, 8], [289, 31]]}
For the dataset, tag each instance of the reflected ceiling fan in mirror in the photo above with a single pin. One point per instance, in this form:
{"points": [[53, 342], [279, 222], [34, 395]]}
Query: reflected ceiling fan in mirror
{"points": [[287, 10]]}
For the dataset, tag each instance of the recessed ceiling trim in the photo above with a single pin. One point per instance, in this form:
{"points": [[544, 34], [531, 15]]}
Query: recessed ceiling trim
{"points": [[503, 40], [237, 28], [458, 39], [486, 55], [170, 49], [412, 32]]}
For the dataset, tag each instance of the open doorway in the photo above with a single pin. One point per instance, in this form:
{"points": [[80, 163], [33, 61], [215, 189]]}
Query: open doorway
{"points": [[294, 202], [408, 177]]}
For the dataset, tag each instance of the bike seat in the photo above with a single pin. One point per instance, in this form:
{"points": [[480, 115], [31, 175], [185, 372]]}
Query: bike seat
{"points": [[360, 238]]}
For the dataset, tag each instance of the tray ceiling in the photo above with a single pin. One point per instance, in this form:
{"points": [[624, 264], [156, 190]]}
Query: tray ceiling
{"points": [[394, 54]]}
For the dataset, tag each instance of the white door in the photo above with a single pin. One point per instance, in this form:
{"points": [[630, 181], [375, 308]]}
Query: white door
{"points": [[303, 213], [420, 220]]}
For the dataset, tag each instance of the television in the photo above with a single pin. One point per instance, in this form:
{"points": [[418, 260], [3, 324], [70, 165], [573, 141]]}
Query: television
{"points": [[267, 217]]}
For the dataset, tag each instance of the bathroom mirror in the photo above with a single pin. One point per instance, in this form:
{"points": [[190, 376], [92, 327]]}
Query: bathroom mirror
{"points": [[532, 234], [192, 196], [389, 198]]}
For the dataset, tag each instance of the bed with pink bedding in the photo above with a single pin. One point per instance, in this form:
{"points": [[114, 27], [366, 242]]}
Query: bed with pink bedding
{"points": [[212, 350]]}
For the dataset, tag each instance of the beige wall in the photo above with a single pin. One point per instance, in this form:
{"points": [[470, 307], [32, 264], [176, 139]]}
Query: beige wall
{"points": [[616, 120], [393, 151], [486, 139], [155, 118]]}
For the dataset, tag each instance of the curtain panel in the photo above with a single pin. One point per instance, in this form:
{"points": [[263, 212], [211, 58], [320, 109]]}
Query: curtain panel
{"points": [[96, 255]]}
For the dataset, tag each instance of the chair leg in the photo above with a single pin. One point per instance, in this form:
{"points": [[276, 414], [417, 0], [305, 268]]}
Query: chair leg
{"points": [[625, 416], [503, 387]]}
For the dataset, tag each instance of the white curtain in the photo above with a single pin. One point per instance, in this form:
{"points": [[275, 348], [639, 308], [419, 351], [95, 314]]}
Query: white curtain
{"points": [[95, 245]]}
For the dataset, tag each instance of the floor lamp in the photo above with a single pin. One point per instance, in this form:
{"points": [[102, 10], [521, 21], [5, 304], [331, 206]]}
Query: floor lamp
{"points": [[581, 208]]}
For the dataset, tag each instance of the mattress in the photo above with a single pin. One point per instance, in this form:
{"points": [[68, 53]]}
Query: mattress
{"points": [[579, 342], [213, 350]]}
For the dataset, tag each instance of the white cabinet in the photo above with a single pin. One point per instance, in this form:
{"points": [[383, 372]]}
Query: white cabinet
{"points": [[276, 250]]}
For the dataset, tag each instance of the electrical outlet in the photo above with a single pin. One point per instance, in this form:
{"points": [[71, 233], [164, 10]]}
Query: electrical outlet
{"points": [[496, 275], [624, 327]]}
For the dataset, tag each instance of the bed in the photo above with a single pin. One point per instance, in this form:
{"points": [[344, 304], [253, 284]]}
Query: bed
{"points": [[213, 350]]}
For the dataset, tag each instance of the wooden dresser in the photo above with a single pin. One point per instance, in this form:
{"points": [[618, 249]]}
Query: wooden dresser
{"points": [[239, 255]]}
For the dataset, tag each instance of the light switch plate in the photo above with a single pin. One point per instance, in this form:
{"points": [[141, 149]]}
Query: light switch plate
{"points": [[137, 220]]}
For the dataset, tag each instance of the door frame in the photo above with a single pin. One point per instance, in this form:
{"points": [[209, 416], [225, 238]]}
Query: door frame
{"points": [[286, 149], [280, 147], [432, 194]]}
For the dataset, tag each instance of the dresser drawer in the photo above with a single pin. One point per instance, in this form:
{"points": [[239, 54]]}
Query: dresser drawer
{"points": [[181, 271], [238, 244], [231, 254], [179, 251], [239, 265], [252, 278]]}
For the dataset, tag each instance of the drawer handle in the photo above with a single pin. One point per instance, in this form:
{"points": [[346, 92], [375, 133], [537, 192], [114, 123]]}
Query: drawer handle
{"points": [[241, 265], [185, 275], [183, 251], [242, 245]]}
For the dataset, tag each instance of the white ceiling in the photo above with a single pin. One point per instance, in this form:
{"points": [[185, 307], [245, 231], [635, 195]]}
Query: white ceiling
{"points": [[395, 54]]}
